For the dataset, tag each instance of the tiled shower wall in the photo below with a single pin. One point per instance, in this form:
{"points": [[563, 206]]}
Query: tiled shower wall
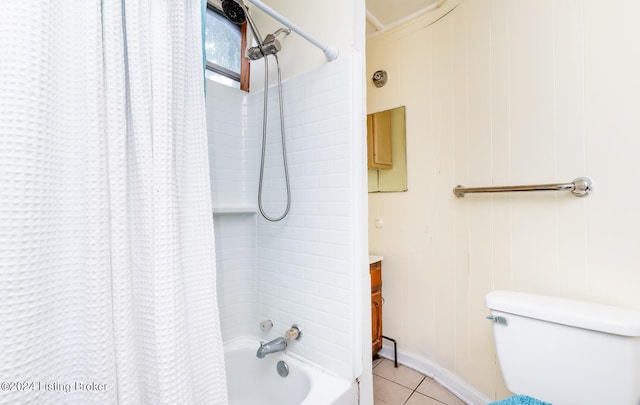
{"points": [[236, 274], [299, 270], [232, 146], [305, 267], [232, 149]]}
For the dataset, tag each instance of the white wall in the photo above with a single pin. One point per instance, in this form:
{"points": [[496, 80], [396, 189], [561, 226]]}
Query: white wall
{"points": [[503, 92]]}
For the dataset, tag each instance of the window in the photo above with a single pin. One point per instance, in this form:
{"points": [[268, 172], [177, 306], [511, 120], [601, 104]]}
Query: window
{"points": [[224, 46]]}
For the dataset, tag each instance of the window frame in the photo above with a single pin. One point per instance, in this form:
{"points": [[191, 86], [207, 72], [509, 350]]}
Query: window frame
{"points": [[243, 77]]}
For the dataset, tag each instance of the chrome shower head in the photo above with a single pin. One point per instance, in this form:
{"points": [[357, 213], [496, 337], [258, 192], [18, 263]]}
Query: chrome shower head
{"points": [[237, 13], [234, 11]]}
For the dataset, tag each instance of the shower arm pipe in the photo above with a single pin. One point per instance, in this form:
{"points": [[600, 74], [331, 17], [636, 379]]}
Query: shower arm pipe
{"points": [[331, 53], [255, 31], [256, 34]]}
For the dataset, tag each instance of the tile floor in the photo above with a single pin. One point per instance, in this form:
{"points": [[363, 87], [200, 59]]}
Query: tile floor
{"points": [[404, 386]]}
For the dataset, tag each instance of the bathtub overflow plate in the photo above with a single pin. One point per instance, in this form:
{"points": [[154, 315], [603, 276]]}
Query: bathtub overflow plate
{"points": [[283, 368]]}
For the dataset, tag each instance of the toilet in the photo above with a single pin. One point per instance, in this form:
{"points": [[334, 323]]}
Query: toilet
{"points": [[566, 352]]}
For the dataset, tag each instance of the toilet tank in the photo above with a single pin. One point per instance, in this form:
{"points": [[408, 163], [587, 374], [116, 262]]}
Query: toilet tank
{"points": [[567, 352]]}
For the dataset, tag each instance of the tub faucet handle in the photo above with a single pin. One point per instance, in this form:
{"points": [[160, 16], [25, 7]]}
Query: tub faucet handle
{"points": [[293, 333], [266, 325]]}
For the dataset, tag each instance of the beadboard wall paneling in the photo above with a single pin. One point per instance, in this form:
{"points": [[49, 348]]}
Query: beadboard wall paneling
{"points": [[502, 92]]}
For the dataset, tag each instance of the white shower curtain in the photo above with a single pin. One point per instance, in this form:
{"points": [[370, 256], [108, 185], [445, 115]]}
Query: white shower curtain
{"points": [[107, 267]]}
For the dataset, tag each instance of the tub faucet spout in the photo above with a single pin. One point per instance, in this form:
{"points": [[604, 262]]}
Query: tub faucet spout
{"points": [[278, 344]]}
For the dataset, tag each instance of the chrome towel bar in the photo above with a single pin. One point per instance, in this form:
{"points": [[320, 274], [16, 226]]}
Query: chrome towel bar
{"points": [[580, 187]]}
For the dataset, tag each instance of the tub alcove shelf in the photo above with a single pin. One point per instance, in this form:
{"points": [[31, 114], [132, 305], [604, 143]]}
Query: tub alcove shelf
{"points": [[233, 210]]}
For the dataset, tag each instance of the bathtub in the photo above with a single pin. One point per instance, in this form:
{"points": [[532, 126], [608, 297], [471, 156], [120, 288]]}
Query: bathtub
{"points": [[254, 381]]}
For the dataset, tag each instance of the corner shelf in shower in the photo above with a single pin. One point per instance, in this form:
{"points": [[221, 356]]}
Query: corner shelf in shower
{"points": [[234, 210]]}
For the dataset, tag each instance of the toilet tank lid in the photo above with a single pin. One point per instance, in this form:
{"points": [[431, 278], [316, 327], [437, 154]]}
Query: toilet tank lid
{"points": [[587, 315]]}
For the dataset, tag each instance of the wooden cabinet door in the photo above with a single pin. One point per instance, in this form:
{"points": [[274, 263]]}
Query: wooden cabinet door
{"points": [[376, 321], [379, 140], [375, 271]]}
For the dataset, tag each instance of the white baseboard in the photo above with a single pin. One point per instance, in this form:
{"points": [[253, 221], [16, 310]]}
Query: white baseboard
{"points": [[450, 381]]}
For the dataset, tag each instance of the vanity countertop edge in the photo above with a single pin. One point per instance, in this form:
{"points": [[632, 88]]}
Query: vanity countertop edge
{"points": [[374, 259]]}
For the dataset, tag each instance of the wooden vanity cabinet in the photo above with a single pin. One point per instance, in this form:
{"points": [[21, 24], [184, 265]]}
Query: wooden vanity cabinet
{"points": [[375, 271]]}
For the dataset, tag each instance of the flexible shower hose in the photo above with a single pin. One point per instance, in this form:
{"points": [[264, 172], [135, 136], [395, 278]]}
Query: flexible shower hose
{"points": [[264, 141]]}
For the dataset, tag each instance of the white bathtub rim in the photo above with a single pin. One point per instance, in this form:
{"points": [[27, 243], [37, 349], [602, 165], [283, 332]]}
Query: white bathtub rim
{"points": [[324, 384]]}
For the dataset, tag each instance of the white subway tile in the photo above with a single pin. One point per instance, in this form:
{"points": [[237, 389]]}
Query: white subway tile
{"points": [[296, 270]]}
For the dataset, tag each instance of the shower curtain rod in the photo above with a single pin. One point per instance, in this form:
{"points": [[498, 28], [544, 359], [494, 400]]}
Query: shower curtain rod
{"points": [[330, 52]]}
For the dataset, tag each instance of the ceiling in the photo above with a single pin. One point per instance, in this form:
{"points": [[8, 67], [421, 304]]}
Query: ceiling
{"points": [[383, 15]]}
